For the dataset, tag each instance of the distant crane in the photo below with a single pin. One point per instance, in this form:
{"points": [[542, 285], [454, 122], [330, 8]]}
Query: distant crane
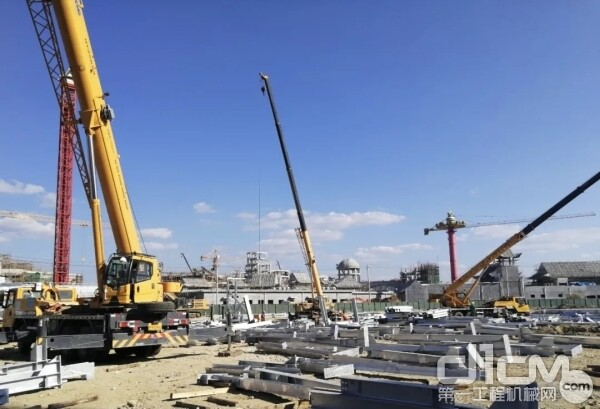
{"points": [[214, 257], [40, 218], [188, 264], [61, 253], [450, 224]]}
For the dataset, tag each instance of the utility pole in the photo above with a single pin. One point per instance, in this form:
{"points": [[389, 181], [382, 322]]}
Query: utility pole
{"points": [[368, 283]]}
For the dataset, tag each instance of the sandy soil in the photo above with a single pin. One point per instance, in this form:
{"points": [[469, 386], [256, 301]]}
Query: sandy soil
{"points": [[147, 384]]}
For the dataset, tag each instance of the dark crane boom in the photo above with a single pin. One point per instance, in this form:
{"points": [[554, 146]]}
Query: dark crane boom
{"points": [[312, 264]]}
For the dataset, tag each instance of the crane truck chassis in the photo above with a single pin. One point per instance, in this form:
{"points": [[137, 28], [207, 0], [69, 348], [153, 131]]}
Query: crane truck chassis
{"points": [[82, 332]]}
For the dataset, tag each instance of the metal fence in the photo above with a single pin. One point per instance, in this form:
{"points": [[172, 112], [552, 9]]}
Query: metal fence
{"points": [[268, 309]]}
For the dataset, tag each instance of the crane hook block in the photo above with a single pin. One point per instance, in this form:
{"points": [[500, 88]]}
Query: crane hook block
{"points": [[107, 113]]}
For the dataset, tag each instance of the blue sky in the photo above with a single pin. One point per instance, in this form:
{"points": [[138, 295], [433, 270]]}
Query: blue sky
{"points": [[394, 113]]}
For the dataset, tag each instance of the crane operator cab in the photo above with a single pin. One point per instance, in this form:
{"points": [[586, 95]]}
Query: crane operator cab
{"points": [[132, 279]]}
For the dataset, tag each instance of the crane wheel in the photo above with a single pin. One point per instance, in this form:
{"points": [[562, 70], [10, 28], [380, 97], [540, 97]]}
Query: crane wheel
{"points": [[163, 306], [24, 344], [147, 351], [123, 352]]}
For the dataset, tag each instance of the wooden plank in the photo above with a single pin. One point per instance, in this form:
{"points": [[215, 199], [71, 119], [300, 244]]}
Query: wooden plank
{"points": [[235, 352], [195, 394], [76, 402], [120, 367], [180, 404], [222, 401]]}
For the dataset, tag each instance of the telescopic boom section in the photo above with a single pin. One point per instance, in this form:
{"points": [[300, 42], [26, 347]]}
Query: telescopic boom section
{"points": [[452, 298], [305, 236], [95, 117]]}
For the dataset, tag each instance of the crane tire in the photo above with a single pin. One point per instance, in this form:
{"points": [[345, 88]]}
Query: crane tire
{"points": [[163, 306], [147, 351], [458, 314]]}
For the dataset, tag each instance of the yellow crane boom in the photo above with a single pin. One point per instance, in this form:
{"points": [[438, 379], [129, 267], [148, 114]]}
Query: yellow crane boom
{"points": [[129, 277]]}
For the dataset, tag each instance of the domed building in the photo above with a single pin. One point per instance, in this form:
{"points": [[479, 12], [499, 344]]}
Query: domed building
{"points": [[348, 268]]}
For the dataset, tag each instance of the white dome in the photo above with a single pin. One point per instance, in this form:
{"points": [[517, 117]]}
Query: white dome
{"points": [[348, 264]]}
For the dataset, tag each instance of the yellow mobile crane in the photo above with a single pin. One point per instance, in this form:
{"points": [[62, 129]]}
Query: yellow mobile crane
{"points": [[129, 312], [460, 302], [318, 306], [129, 277]]}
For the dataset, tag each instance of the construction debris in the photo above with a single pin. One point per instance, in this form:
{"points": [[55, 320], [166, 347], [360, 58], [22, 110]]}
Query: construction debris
{"points": [[31, 376]]}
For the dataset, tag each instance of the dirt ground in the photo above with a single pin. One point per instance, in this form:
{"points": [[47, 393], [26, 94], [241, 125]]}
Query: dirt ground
{"points": [[147, 384]]}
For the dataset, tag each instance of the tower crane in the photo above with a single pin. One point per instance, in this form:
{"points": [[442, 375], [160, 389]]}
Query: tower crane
{"points": [[41, 218], [451, 224], [454, 297]]}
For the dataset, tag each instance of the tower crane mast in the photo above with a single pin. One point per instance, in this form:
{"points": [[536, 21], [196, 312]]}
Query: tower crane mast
{"points": [[64, 184], [70, 145]]}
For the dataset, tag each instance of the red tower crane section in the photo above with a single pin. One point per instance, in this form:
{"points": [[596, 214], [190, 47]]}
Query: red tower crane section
{"points": [[70, 146], [64, 184], [450, 224]]}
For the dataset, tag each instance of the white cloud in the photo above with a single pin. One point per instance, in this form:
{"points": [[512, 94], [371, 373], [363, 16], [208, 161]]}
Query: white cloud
{"points": [[329, 221], [49, 200], [280, 235], [155, 246], [328, 235], [157, 233], [203, 207], [503, 231], [344, 221], [281, 245], [380, 251], [247, 216], [19, 188], [569, 239], [25, 227]]}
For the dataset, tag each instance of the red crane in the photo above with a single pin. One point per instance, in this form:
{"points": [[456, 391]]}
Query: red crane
{"points": [[450, 224], [64, 185]]}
